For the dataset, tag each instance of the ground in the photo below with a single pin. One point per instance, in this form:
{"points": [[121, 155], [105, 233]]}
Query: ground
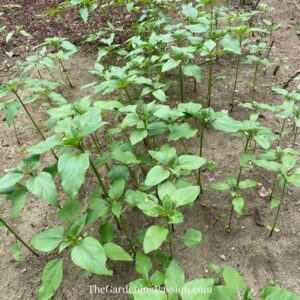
{"points": [[247, 247]]}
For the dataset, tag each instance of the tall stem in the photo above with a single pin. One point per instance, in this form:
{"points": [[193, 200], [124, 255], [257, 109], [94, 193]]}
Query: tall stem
{"points": [[181, 83], [65, 72], [124, 230], [237, 183], [11, 230], [98, 149], [235, 82], [278, 208], [32, 120], [209, 84], [200, 154], [170, 241], [273, 187], [128, 95], [254, 81]]}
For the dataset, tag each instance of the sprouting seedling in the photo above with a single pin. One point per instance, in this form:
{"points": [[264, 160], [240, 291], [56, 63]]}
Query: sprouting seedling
{"points": [[13, 87], [288, 108], [18, 31], [63, 49], [86, 7], [205, 117], [179, 58], [282, 163], [172, 197], [256, 62], [271, 26], [171, 166]]}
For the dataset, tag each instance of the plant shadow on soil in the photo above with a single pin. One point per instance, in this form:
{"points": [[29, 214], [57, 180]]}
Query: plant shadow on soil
{"points": [[247, 247]]}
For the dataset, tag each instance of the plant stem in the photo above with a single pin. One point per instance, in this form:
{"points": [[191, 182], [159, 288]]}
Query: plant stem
{"points": [[181, 83], [170, 241], [200, 154], [32, 120], [278, 208], [124, 230], [99, 150], [237, 183], [210, 83], [11, 230], [235, 82], [273, 187], [128, 95], [16, 133], [65, 72], [281, 132], [254, 81]]}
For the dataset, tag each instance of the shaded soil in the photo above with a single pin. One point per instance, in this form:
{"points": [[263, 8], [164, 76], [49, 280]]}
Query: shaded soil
{"points": [[247, 248]]}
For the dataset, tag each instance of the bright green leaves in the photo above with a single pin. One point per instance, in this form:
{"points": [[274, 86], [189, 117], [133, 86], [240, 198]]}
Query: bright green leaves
{"points": [[248, 183], [115, 252], [72, 168], [137, 135], [84, 13], [11, 111], [9, 179], [156, 175], [190, 162], [231, 44], [49, 239], [192, 70], [219, 186], [192, 238], [46, 145], [51, 279], [175, 277], [193, 290], [154, 237], [90, 255], [275, 292], [143, 264], [43, 187], [170, 65], [181, 131], [238, 204], [189, 11], [233, 279]]}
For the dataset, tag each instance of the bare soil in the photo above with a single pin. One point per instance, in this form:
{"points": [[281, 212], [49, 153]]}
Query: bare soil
{"points": [[247, 247]]}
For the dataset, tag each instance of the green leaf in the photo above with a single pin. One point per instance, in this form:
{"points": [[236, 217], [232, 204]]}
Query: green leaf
{"points": [[160, 95], [46, 145], [137, 135], [184, 130], [90, 255], [238, 204], [156, 175], [51, 279], [157, 278], [9, 179], [227, 124], [16, 251], [70, 210], [233, 279], [192, 237], [170, 64], [143, 264], [72, 168], [190, 162], [189, 11], [248, 183], [175, 277], [277, 293], [115, 252], [219, 186], [223, 292], [149, 294], [154, 237], [43, 187], [192, 70], [84, 13], [106, 233], [11, 110], [18, 200], [68, 46], [49, 239], [198, 289], [185, 195], [274, 203], [231, 44], [268, 165]]}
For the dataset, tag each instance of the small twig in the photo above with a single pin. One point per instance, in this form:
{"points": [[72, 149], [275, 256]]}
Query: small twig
{"points": [[286, 83]]}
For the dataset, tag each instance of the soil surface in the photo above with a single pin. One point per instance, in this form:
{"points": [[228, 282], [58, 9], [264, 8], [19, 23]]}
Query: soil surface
{"points": [[247, 247]]}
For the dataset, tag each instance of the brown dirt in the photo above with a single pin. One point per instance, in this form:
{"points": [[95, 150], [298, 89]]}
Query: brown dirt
{"points": [[247, 248]]}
